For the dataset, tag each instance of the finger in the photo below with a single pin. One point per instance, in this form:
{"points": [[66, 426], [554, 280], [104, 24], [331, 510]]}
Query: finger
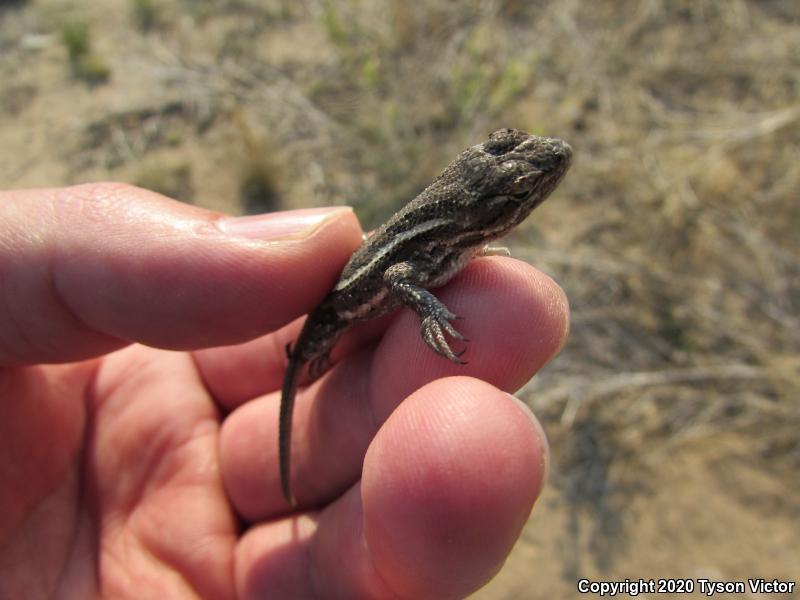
{"points": [[449, 481], [236, 374], [335, 418], [515, 316], [90, 268]]}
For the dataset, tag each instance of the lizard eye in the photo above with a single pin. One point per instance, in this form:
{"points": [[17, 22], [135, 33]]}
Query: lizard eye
{"points": [[523, 186]]}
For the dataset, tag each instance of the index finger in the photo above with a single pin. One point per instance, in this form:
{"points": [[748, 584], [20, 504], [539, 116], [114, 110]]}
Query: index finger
{"points": [[88, 269]]}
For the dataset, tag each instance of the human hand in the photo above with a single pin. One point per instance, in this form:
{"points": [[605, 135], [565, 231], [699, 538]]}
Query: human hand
{"points": [[133, 470]]}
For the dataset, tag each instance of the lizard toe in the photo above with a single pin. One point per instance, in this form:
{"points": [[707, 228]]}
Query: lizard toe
{"points": [[433, 334]]}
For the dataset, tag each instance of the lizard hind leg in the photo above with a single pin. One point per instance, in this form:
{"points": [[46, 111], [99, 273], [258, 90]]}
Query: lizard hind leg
{"points": [[318, 366], [488, 250]]}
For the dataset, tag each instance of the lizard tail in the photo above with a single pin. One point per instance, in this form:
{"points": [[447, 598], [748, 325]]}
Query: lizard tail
{"points": [[285, 427]]}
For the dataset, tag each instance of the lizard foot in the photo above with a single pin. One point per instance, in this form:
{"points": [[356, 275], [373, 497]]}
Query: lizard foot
{"points": [[488, 250], [318, 366], [433, 329]]}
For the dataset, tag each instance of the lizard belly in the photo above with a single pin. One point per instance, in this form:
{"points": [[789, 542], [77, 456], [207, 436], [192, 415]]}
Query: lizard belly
{"points": [[369, 309], [452, 266]]}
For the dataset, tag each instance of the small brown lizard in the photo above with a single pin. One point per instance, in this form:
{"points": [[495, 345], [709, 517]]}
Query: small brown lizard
{"points": [[483, 194]]}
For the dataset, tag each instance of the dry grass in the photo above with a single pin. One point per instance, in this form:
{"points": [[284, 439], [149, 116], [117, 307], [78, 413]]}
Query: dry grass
{"points": [[84, 63], [675, 235]]}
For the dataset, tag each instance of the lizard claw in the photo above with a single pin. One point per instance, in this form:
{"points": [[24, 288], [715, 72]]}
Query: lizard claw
{"points": [[451, 330], [433, 330]]}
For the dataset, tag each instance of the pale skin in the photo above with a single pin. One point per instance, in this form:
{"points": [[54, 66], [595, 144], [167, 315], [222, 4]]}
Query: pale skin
{"points": [[142, 345]]}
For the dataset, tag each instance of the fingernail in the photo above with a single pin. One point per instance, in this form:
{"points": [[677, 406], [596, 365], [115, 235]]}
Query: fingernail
{"points": [[291, 224]]}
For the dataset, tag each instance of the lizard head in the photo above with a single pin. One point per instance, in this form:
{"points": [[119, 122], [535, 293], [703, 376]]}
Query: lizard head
{"points": [[510, 174]]}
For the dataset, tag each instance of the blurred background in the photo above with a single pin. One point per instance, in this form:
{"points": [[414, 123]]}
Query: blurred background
{"points": [[673, 411]]}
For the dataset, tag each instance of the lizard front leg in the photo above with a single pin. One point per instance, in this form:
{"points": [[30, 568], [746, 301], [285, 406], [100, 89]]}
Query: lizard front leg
{"points": [[402, 280]]}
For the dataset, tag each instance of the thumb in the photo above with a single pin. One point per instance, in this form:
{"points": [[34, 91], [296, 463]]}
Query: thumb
{"points": [[87, 269]]}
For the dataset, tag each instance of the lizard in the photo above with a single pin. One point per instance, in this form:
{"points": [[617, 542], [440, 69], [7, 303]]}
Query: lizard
{"points": [[489, 189]]}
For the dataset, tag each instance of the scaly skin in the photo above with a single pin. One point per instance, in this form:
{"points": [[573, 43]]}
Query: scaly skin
{"points": [[481, 196]]}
